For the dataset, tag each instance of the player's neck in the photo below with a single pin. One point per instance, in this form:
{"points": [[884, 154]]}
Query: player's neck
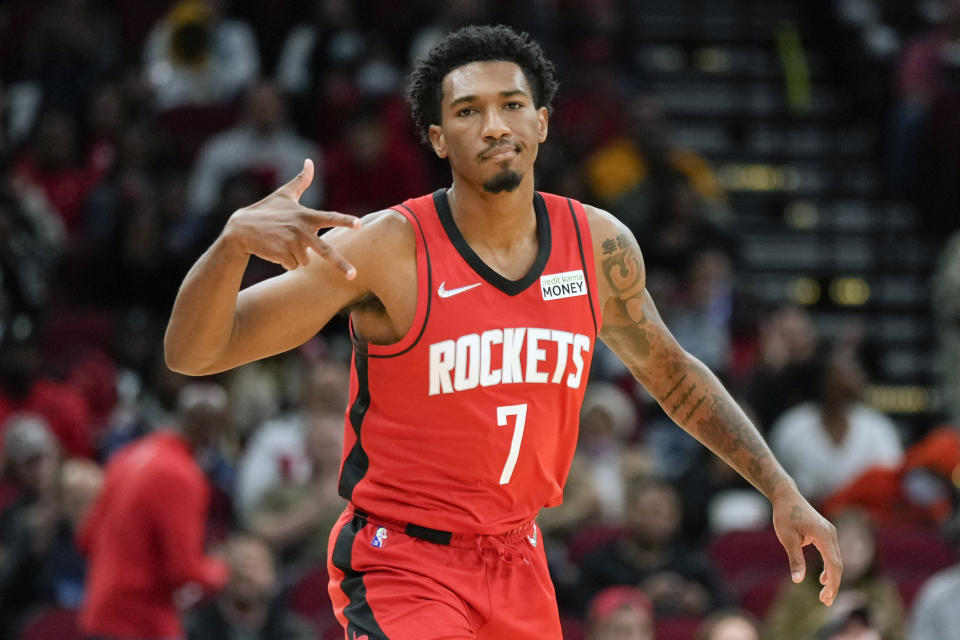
{"points": [[494, 219]]}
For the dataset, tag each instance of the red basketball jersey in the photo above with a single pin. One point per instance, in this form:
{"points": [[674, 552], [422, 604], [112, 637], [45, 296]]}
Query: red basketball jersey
{"points": [[469, 422]]}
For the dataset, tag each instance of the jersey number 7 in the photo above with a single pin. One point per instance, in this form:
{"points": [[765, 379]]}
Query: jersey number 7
{"points": [[520, 411]]}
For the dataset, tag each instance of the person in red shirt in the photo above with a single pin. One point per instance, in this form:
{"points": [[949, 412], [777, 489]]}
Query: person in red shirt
{"points": [[144, 535], [23, 389], [474, 314]]}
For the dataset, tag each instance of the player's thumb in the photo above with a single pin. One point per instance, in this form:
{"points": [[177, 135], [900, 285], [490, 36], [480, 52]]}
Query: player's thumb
{"points": [[303, 179], [798, 565]]}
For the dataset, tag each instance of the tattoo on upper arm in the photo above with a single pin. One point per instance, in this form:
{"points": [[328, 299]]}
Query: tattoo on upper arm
{"points": [[623, 270]]}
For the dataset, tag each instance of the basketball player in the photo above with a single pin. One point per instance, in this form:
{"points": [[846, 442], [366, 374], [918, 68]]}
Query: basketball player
{"points": [[474, 313]]}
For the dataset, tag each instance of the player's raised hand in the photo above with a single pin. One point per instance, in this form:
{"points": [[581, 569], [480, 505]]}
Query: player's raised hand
{"points": [[281, 230], [798, 524]]}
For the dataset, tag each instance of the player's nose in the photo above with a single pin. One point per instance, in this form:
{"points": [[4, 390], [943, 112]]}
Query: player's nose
{"points": [[494, 125]]}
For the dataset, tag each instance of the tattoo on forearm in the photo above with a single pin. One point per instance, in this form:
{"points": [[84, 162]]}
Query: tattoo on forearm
{"points": [[695, 407], [686, 396], [737, 441], [675, 387]]}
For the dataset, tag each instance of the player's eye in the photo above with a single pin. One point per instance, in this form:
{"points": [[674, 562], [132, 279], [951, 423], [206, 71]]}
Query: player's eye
{"points": [[513, 106], [466, 111]]}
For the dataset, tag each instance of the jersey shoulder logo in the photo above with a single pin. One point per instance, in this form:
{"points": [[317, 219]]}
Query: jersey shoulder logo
{"points": [[567, 284], [443, 292]]}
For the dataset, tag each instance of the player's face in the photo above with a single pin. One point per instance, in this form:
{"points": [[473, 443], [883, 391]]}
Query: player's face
{"points": [[490, 128]]}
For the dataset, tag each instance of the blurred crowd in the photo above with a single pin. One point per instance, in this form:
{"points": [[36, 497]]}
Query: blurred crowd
{"points": [[130, 131]]}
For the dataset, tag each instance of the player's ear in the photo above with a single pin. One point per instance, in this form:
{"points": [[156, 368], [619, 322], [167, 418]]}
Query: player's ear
{"points": [[437, 140], [543, 121]]}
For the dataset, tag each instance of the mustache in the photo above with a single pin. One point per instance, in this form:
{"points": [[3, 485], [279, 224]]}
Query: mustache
{"points": [[497, 147]]}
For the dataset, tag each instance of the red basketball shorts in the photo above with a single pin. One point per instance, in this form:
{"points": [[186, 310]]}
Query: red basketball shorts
{"points": [[396, 581]]}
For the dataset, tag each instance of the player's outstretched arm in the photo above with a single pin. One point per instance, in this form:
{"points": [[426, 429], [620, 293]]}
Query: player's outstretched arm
{"points": [[214, 326], [696, 400]]}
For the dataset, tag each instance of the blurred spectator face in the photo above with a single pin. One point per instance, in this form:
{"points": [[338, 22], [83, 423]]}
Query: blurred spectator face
{"points": [[80, 483], [733, 628], [626, 623], [265, 108], [620, 613], [366, 139], [796, 327], [326, 388], [654, 513], [608, 417], [709, 271], [857, 545], [845, 379], [246, 599], [326, 441], [31, 453], [204, 413]]}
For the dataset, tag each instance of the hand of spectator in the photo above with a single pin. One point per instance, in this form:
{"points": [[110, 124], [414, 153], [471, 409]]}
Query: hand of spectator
{"points": [[281, 230], [798, 524]]}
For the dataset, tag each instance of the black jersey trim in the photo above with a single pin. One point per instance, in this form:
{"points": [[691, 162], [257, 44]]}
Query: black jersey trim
{"points": [[357, 463], [360, 619], [426, 315], [510, 287], [587, 270]]}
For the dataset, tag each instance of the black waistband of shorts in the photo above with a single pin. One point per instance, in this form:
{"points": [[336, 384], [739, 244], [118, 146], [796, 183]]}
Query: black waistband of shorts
{"points": [[438, 536]]}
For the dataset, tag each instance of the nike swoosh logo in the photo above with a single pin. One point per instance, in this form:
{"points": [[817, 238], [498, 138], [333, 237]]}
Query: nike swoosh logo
{"points": [[446, 293], [533, 538]]}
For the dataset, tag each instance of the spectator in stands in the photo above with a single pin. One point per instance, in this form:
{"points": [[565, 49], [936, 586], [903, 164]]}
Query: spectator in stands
{"points": [[32, 241], [262, 143], [826, 443], [23, 388], [700, 319], [678, 580], [792, 616], [636, 175], [782, 377], [448, 17], [371, 165], [29, 526], [607, 457], [921, 491], [925, 130], [295, 518], [620, 613], [194, 56], [729, 624], [945, 301], [144, 536], [277, 453], [249, 607], [52, 163], [849, 621], [935, 614], [67, 50]]}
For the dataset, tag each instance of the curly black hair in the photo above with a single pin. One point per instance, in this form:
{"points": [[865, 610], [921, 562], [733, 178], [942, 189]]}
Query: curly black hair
{"points": [[476, 44]]}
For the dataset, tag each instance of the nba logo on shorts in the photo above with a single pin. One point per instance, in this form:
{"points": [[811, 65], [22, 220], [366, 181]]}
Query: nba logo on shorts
{"points": [[379, 538]]}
